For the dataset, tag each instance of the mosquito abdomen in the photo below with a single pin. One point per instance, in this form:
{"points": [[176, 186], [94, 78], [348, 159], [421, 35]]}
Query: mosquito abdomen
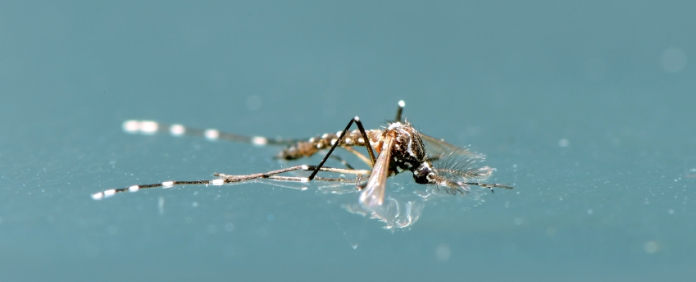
{"points": [[315, 144]]}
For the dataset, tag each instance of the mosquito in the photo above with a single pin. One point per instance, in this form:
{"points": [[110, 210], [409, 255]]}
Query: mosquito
{"points": [[391, 150]]}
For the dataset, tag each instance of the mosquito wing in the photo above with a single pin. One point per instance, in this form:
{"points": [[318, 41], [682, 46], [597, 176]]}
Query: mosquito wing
{"points": [[438, 148], [373, 194]]}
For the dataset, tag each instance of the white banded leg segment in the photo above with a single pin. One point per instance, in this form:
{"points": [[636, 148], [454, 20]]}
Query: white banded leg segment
{"points": [[131, 126], [165, 184], [144, 126], [212, 134], [177, 129], [104, 194], [109, 193], [148, 127], [259, 141], [98, 196]]}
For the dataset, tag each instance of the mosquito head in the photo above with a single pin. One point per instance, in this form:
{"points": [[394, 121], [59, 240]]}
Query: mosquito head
{"points": [[427, 174], [424, 173]]}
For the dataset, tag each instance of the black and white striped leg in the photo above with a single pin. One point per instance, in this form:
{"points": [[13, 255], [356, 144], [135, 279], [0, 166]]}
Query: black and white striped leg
{"points": [[152, 127], [224, 178]]}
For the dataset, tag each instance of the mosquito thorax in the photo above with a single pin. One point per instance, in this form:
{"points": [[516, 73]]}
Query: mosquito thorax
{"points": [[408, 152]]}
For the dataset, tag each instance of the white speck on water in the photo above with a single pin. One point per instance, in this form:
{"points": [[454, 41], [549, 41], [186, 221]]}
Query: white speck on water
{"points": [[651, 247], [673, 60], [443, 252], [589, 211], [229, 227], [563, 143], [670, 211]]}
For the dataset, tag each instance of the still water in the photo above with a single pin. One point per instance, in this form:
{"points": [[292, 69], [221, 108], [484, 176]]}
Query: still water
{"points": [[585, 108]]}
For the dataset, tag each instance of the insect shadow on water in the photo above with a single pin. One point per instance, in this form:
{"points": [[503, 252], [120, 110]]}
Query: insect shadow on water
{"points": [[391, 150]]}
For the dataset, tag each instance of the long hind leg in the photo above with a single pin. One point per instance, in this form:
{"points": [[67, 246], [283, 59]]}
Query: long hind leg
{"points": [[224, 178]]}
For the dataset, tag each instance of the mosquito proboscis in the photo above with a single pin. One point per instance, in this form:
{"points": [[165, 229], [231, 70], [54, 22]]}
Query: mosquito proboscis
{"points": [[396, 148]]}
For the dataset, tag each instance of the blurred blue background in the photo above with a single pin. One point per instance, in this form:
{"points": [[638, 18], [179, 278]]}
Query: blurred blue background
{"points": [[587, 107]]}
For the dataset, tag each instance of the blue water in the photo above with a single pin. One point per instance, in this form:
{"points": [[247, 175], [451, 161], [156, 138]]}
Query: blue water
{"points": [[587, 108]]}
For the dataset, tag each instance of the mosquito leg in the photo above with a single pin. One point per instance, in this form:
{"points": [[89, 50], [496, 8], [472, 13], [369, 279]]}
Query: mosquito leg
{"points": [[224, 178], [272, 174], [359, 155], [367, 139], [400, 110], [152, 127], [355, 120], [489, 186], [166, 184], [342, 161]]}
